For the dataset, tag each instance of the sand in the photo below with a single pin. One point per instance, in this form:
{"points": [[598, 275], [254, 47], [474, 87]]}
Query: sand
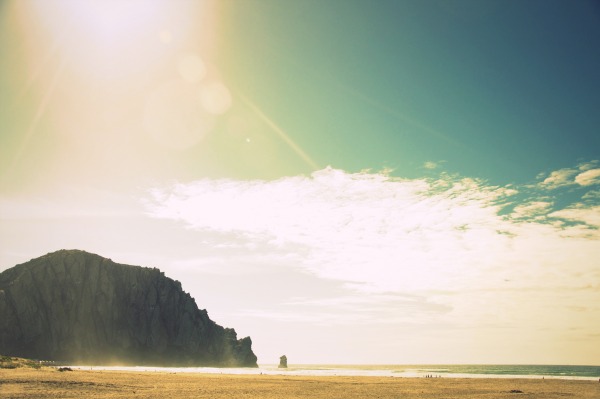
{"points": [[49, 383]]}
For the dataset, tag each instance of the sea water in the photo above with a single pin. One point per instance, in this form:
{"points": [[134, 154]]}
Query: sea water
{"points": [[434, 371]]}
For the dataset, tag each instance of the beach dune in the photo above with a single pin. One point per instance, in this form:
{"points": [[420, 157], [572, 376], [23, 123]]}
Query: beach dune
{"points": [[48, 382]]}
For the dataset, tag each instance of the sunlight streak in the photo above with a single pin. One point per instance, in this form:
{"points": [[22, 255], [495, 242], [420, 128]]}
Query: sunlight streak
{"points": [[41, 109], [35, 74], [400, 116], [299, 151]]}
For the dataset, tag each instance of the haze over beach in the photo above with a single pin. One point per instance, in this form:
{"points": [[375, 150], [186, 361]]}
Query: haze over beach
{"points": [[347, 182]]}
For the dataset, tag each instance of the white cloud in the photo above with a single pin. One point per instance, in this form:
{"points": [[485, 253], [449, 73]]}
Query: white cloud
{"points": [[429, 262], [588, 165], [591, 196], [531, 209], [559, 178], [584, 174], [70, 203], [350, 309], [384, 234], [588, 177], [587, 215]]}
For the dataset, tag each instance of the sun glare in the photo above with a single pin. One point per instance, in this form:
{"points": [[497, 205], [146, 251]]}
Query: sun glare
{"points": [[104, 22], [96, 32], [143, 63], [113, 21]]}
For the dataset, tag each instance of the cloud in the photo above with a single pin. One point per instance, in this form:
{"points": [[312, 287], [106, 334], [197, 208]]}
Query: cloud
{"points": [[370, 258], [587, 215], [349, 309], [380, 234], [364, 228], [584, 174], [559, 178], [531, 209], [589, 177], [591, 196]]}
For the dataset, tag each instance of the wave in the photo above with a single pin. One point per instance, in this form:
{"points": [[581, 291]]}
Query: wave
{"points": [[408, 371]]}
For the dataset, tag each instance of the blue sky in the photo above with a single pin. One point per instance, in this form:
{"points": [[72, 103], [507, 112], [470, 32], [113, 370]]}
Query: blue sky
{"points": [[344, 181]]}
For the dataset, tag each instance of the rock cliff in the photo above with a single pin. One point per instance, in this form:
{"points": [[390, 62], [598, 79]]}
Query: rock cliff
{"points": [[76, 307]]}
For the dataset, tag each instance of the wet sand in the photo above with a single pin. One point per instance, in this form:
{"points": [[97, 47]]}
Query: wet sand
{"points": [[49, 383]]}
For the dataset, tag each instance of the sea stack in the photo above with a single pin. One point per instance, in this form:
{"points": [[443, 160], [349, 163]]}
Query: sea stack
{"points": [[283, 362], [75, 307]]}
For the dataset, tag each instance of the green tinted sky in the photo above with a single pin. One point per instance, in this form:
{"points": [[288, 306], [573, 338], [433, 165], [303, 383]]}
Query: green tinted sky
{"points": [[499, 90], [496, 90], [344, 181]]}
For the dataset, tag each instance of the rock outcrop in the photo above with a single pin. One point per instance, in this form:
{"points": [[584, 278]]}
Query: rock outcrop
{"points": [[79, 308], [283, 362]]}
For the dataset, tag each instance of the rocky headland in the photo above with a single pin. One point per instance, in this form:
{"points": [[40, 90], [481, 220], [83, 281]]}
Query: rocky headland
{"points": [[80, 308]]}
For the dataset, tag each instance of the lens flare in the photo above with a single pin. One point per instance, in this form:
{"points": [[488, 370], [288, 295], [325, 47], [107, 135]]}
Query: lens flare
{"points": [[174, 116], [191, 68], [215, 97]]}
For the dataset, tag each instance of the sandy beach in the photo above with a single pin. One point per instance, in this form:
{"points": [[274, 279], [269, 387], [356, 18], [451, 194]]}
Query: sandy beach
{"points": [[49, 383]]}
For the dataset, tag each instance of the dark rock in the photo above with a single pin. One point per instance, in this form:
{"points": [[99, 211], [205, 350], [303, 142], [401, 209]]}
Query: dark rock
{"points": [[283, 362], [61, 369], [79, 308]]}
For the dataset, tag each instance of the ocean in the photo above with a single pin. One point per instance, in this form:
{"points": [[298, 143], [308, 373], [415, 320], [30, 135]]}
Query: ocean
{"points": [[433, 371]]}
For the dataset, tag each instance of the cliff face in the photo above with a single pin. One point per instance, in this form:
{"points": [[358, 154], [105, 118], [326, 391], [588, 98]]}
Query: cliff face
{"points": [[77, 307]]}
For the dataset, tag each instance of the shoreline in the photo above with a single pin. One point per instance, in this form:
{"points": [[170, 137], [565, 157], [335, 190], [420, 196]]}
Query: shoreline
{"points": [[48, 382], [395, 371]]}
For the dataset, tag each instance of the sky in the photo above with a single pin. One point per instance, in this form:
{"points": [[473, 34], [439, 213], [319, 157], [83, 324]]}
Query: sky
{"points": [[345, 181]]}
